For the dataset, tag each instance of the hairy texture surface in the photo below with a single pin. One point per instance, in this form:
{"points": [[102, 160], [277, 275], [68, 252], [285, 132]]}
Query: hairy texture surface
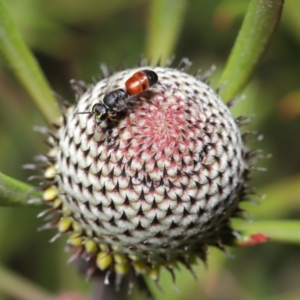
{"points": [[154, 186]]}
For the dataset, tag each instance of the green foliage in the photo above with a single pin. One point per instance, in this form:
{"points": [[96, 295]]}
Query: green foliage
{"points": [[24, 66], [258, 27], [14, 192], [164, 24], [70, 38]]}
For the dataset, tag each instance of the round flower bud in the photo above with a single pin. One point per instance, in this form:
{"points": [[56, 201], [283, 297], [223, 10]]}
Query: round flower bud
{"points": [[147, 178]]}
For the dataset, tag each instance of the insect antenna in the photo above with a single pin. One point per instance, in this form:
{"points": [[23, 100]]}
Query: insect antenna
{"points": [[97, 111], [84, 112]]}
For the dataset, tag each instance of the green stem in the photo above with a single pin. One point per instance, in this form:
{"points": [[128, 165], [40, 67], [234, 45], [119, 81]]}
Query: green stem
{"points": [[15, 193], [25, 66], [286, 231], [165, 19], [258, 27], [282, 198], [17, 287]]}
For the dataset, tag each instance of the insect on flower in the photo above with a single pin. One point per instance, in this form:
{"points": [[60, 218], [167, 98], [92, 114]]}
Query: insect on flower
{"points": [[158, 187], [118, 100]]}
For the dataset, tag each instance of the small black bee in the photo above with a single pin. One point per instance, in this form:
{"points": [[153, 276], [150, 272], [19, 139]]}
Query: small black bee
{"points": [[139, 82]]}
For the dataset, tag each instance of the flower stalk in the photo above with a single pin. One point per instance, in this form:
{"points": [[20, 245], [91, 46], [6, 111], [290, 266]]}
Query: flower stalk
{"points": [[259, 25], [25, 67]]}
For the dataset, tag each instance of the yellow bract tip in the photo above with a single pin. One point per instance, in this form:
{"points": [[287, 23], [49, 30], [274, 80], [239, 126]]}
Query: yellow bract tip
{"points": [[120, 259], [153, 273], [50, 194], [104, 247], [50, 172], [66, 211], [64, 224], [77, 228], [122, 268], [103, 260], [133, 257], [91, 246], [116, 248], [52, 152], [75, 240], [57, 203], [140, 267]]}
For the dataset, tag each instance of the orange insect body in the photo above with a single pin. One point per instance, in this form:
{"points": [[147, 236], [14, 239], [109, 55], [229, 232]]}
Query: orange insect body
{"points": [[138, 83]]}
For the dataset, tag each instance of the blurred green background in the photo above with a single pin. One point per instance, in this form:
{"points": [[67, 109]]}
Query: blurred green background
{"points": [[70, 39]]}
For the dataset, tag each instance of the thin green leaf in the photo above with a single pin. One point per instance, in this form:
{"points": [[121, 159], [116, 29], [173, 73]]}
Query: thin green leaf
{"points": [[14, 192], [17, 287], [25, 66], [164, 25], [258, 27], [287, 231], [281, 198]]}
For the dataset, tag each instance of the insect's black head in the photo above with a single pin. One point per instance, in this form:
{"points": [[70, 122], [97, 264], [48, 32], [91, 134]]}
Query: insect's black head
{"points": [[98, 110]]}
